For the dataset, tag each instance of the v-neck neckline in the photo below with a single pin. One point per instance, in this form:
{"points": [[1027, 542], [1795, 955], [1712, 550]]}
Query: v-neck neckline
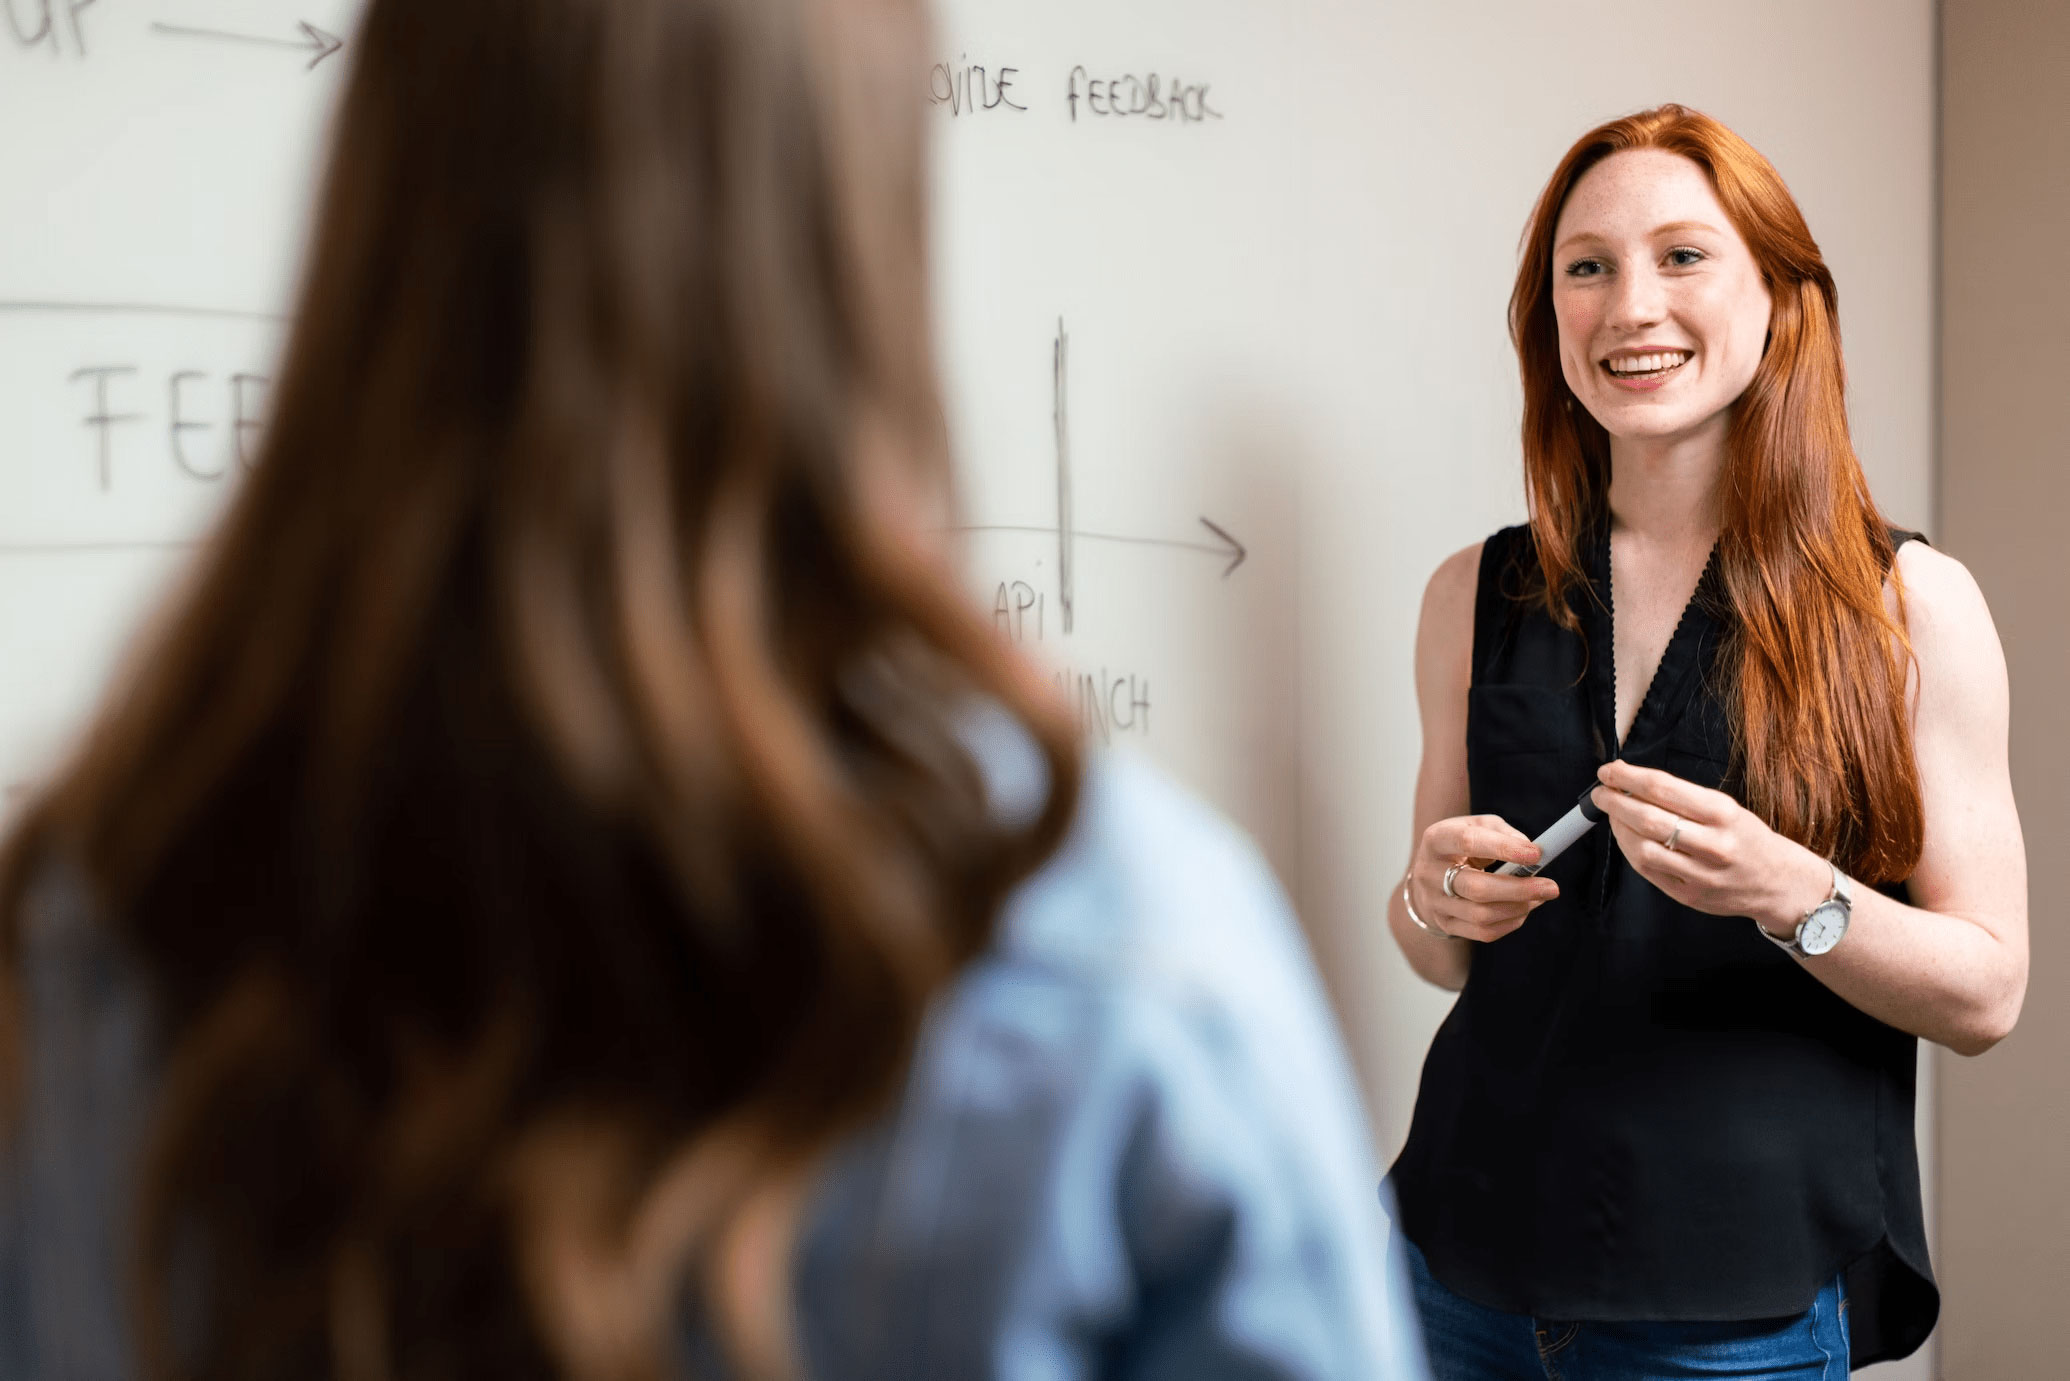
{"points": [[1656, 713]]}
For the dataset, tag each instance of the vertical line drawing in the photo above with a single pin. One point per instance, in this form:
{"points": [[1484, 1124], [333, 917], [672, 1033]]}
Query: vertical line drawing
{"points": [[1060, 374], [1060, 377]]}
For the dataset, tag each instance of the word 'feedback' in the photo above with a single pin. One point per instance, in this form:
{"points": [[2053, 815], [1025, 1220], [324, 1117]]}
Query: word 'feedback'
{"points": [[1139, 97]]}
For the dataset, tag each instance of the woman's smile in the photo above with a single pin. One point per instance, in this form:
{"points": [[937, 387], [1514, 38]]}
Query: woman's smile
{"points": [[1646, 369]]}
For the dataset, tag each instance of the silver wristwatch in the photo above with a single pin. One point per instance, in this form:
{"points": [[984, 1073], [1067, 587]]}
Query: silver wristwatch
{"points": [[1823, 925]]}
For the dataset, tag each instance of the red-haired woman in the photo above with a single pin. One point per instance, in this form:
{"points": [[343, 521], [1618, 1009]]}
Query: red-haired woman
{"points": [[1666, 1130]]}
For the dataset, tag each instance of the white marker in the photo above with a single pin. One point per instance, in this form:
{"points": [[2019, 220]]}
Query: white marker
{"points": [[1569, 827]]}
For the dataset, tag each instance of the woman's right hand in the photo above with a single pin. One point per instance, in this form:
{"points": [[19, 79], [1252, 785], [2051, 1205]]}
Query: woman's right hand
{"points": [[1485, 907]]}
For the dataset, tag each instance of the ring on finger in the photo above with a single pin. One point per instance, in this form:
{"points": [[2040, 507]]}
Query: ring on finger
{"points": [[1451, 873], [1673, 835]]}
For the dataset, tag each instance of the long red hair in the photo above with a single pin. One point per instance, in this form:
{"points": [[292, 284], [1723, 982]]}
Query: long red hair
{"points": [[1817, 661]]}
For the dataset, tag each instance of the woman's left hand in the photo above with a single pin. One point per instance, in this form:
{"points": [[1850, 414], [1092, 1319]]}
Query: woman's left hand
{"points": [[1725, 860]]}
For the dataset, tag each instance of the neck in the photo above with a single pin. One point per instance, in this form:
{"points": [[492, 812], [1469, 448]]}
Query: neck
{"points": [[1667, 490]]}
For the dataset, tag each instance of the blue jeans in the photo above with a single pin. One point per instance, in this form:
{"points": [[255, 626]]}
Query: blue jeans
{"points": [[1470, 1343]]}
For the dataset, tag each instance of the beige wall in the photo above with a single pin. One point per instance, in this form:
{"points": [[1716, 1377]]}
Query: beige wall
{"points": [[2004, 501]]}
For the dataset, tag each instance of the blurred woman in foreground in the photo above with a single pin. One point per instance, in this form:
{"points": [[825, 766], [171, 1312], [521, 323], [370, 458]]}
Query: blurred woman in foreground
{"points": [[568, 876]]}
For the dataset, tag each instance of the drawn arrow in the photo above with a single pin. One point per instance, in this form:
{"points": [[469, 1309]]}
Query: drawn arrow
{"points": [[313, 40], [1225, 544], [1235, 548]]}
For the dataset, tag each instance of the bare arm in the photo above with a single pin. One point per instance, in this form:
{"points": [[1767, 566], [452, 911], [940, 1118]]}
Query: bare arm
{"points": [[1486, 907], [1952, 967]]}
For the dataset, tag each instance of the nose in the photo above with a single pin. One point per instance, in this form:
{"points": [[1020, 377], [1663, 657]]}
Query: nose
{"points": [[1639, 300]]}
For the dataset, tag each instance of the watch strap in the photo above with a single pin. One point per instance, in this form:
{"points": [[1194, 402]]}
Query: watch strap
{"points": [[1787, 946], [1843, 892]]}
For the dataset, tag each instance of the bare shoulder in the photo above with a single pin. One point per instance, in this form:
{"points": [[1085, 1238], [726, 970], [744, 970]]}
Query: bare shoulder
{"points": [[1444, 634], [1959, 663], [1944, 608], [1450, 593]]}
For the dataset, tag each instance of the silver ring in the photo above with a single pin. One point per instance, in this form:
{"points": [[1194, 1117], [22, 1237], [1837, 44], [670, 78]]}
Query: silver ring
{"points": [[1450, 873], [1673, 835]]}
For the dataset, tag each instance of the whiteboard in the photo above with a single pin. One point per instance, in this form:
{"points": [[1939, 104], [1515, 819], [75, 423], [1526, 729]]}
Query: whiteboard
{"points": [[1221, 293]]}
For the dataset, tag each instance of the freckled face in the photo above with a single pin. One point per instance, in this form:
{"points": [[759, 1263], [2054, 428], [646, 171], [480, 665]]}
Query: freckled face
{"points": [[1662, 312]]}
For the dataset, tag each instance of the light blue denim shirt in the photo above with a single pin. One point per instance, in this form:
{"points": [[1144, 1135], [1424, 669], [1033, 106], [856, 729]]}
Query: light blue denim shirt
{"points": [[1129, 1147]]}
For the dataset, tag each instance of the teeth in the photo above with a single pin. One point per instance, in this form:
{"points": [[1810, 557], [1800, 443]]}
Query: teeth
{"points": [[1649, 364]]}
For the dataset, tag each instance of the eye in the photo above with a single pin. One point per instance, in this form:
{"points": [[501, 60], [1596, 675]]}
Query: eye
{"points": [[1683, 257], [1586, 268]]}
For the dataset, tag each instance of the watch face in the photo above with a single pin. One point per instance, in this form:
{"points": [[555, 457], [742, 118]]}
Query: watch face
{"points": [[1823, 928]]}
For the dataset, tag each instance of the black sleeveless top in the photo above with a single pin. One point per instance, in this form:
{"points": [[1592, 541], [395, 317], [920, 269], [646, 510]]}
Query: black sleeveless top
{"points": [[1636, 1111]]}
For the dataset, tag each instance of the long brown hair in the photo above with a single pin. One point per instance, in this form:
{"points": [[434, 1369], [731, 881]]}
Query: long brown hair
{"points": [[1818, 662], [550, 804]]}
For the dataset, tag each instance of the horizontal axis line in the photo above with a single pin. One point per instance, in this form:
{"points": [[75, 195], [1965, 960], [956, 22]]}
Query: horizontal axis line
{"points": [[1095, 536], [90, 548], [141, 309]]}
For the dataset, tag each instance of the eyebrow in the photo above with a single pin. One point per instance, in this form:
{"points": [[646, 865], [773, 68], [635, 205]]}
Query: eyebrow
{"points": [[1672, 227]]}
